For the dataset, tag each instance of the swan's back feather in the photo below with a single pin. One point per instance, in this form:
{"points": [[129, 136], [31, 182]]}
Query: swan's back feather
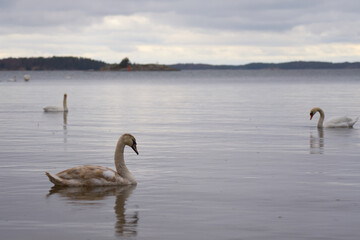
{"points": [[88, 175], [53, 109], [337, 122]]}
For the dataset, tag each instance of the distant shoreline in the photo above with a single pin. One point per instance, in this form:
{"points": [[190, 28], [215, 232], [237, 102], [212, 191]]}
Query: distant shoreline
{"points": [[86, 64], [272, 66]]}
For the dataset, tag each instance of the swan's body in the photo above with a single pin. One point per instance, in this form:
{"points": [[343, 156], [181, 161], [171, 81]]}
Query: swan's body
{"points": [[334, 122], [58, 109], [12, 79], [91, 175], [26, 77]]}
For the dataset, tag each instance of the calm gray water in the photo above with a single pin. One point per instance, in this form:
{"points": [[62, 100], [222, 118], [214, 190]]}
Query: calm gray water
{"points": [[223, 155]]}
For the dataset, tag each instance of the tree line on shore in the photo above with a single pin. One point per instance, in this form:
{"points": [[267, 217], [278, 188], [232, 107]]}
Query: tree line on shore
{"points": [[51, 63], [75, 63], [86, 64]]}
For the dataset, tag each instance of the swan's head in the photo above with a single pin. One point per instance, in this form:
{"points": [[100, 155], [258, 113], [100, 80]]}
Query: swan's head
{"points": [[130, 140], [65, 96], [313, 111]]}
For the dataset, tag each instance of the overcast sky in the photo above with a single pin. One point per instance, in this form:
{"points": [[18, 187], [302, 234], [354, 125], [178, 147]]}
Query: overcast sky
{"points": [[182, 31]]}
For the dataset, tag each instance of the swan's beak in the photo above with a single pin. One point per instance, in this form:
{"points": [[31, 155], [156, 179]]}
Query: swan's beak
{"points": [[311, 116], [135, 149]]}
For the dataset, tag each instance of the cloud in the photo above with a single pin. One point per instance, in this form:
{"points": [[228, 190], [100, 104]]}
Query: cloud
{"points": [[212, 31]]}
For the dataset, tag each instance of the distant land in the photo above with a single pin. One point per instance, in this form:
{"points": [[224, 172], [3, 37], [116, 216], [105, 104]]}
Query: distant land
{"points": [[86, 64], [259, 66], [75, 63], [51, 63]]}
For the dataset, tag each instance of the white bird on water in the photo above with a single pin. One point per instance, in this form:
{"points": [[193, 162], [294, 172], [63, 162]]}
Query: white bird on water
{"points": [[12, 79], [26, 77], [58, 109], [91, 175], [334, 122]]}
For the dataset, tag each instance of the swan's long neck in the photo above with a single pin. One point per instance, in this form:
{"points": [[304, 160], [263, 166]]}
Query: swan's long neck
{"points": [[321, 119], [64, 103], [120, 165]]}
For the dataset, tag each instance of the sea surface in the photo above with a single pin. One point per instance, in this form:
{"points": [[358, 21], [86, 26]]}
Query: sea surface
{"points": [[223, 155]]}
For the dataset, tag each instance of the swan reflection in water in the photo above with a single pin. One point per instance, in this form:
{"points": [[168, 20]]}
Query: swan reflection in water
{"points": [[126, 224], [317, 142], [65, 126]]}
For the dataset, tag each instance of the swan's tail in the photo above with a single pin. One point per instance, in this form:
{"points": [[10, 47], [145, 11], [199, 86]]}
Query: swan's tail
{"points": [[54, 179], [353, 122]]}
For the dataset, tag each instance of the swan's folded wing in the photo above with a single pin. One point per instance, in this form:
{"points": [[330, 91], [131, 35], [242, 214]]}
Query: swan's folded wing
{"points": [[90, 175], [88, 172], [53, 109], [340, 122]]}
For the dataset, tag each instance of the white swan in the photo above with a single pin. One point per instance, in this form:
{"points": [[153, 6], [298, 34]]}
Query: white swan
{"points": [[57, 109], [12, 79], [27, 77], [335, 122], [90, 175]]}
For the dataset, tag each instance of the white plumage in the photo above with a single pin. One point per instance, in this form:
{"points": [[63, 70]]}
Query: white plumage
{"points": [[334, 122], [58, 109]]}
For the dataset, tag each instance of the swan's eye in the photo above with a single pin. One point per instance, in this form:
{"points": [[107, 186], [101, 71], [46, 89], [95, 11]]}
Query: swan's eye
{"points": [[134, 142]]}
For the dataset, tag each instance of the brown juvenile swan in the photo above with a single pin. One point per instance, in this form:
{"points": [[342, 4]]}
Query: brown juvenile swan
{"points": [[90, 175]]}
